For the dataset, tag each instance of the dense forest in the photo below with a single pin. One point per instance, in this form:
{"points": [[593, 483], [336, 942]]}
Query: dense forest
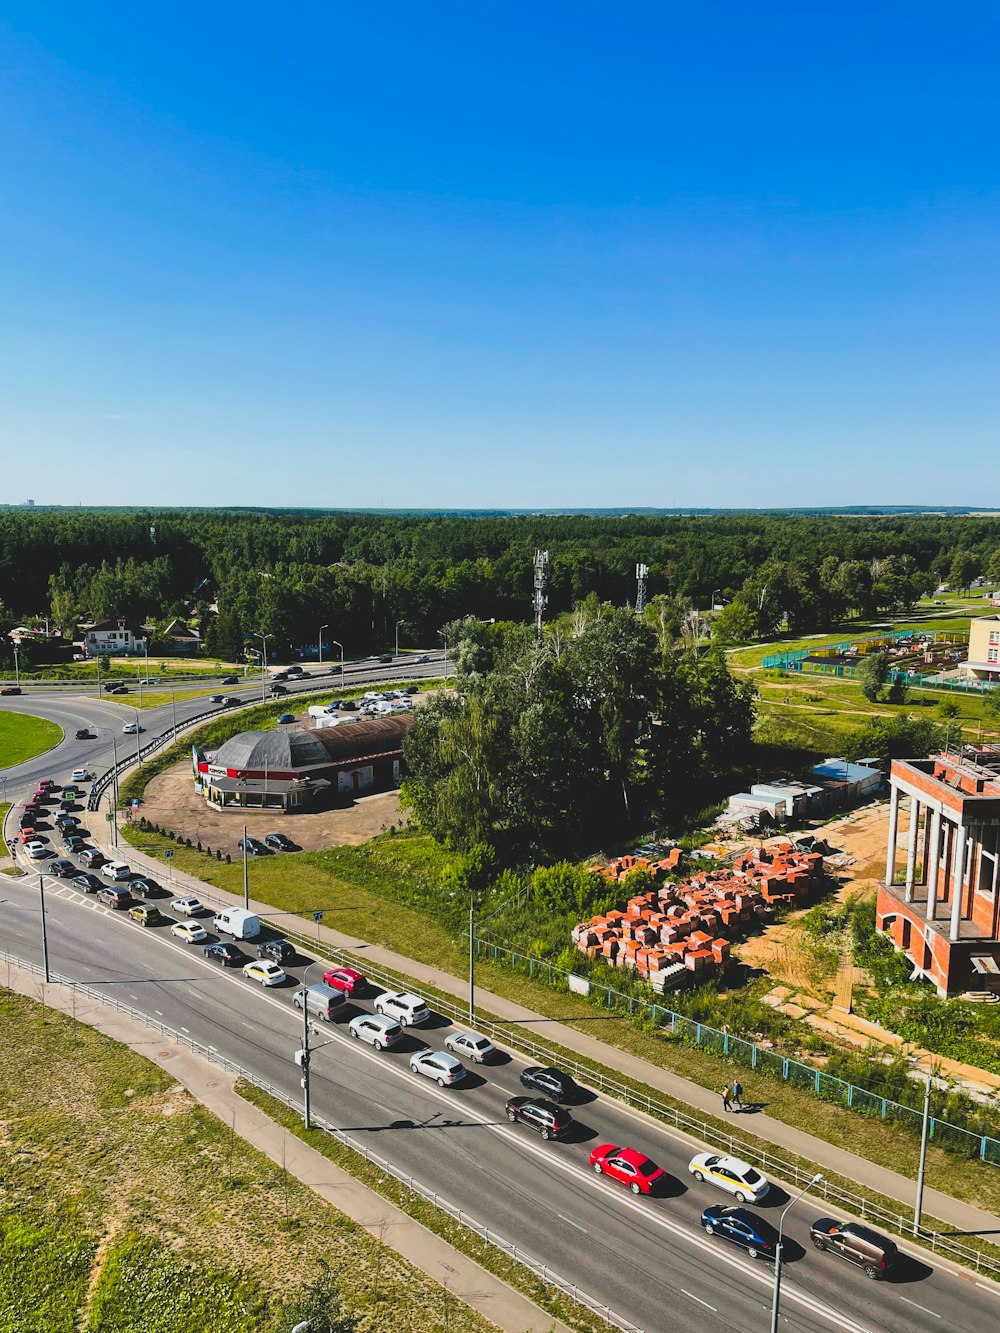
{"points": [[286, 573]]}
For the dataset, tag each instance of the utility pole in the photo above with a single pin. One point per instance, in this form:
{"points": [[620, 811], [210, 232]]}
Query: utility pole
{"points": [[246, 876], [321, 629], [472, 960], [776, 1292], [306, 1108], [341, 647], [398, 623], [114, 791], [924, 1128], [138, 743], [641, 575], [45, 937]]}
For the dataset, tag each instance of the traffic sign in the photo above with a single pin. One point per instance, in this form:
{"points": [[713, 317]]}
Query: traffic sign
{"points": [[110, 816], [317, 916], [169, 853]]}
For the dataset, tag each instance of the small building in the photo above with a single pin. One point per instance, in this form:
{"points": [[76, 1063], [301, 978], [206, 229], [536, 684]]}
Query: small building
{"points": [[291, 769], [854, 782], [984, 649], [182, 638], [111, 636]]}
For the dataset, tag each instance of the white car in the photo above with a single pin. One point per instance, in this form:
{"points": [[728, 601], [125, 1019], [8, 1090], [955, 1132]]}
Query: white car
{"points": [[189, 931], [264, 971], [36, 851], [132, 729], [408, 1010], [443, 1068], [376, 1030], [471, 1045], [189, 906], [731, 1174], [80, 775], [116, 870]]}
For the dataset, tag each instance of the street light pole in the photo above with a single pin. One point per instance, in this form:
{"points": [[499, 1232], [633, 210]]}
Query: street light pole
{"points": [[444, 640], [321, 629], [777, 1254], [341, 647], [263, 665], [114, 791], [17, 669], [173, 709], [138, 732], [924, 1128], [398, 623], [246, 873], [45, 938], [472, 960]]}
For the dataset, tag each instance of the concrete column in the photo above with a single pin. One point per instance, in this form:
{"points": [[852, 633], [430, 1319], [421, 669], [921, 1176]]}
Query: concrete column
{"points": [[911, 847], [933, 864], [958, 882], [925, 853], [890, 855]]}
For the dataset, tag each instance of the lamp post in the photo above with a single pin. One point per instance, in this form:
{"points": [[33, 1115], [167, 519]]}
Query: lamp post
{"points": [[304, 1058], [45, 937], [138, 733], [777, 1253], [246, 872], [173, 710], [321, 629], [398, 623], [17, 669], [114, 791], [341, 647], [444, 640], [472, 959], [263, 664], [918, 1206]]}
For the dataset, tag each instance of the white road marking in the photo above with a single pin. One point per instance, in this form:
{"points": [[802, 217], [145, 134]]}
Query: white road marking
{"points": [[920, 1307], [691, 1296], [563, 1218]]}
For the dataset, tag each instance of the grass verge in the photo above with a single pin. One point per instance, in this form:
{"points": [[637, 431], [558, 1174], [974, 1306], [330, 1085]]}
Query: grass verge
{"points": [[22, 736]]}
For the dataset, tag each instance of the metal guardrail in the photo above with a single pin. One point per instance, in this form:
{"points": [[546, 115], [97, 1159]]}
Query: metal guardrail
{"points": [[493, 1238]]}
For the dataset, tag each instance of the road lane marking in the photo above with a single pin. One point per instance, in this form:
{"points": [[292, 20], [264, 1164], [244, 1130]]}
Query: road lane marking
{"points": [[920, 1307], [691, 1296], [563, 1218]]}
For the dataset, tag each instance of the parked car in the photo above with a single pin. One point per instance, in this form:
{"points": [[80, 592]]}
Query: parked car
{"points": [[732, 1174], [253, 845], [631, 1168], [349, 706], [145, 887], [80, 775], [64, 869], [146, 914], [376, 1030], [550, 1083], [347, 979], [189, 906], [118, 899], [224, 953], [443, 1068], [875, 1255], [405, 1008], [471, 1045], [551, 1121], [11, 689], [230, 680], [741, 1227], [189, 931], [264, 971], [92, 857], [132, 729], [279, 840], [279, 951], [286, 717], [87, 883]]}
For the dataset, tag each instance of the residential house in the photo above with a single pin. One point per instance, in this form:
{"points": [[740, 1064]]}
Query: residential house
{"points": [[115, 635]]}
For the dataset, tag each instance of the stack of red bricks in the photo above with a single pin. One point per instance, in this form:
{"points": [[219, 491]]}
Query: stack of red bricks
{"points": [[693, 921]]}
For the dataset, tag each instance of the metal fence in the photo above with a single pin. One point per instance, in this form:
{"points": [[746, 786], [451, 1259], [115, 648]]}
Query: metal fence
{"points": [[817, 1081], [930, 681], [515, 1252]]}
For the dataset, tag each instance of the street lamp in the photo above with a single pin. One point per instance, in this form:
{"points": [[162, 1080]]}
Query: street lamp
{"points": [[341, 647], [114, 790], [398, 623], [321, 629], [918, 1206], [777, 1253], [17, 670], [138, 734], [444, 640], [263, 664]]}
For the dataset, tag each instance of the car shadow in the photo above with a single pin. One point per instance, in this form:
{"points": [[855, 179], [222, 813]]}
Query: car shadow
{"points": [[579, 1132], [435, 1022], [497, 1059], [472, 1080], [774, 1198], [668, 1187], [908, 1268], [791, 1251]]}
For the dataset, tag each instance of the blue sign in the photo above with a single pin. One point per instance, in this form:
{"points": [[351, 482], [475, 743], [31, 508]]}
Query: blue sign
{"points": [[317, 916], [168, 853]]}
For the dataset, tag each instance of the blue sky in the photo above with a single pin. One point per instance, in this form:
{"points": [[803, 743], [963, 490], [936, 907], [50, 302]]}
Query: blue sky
{"points": [[510, 255]]}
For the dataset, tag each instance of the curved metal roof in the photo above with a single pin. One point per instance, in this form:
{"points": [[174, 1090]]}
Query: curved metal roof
{"points": [[289, 748]]}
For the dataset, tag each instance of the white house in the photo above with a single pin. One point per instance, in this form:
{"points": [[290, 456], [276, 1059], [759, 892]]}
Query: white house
{"points": [[113, 636]]}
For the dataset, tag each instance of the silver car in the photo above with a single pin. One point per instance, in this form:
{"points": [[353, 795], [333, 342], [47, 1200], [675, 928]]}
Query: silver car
{"points": [[443, 1068], [470, 1044], [376, 1030]]}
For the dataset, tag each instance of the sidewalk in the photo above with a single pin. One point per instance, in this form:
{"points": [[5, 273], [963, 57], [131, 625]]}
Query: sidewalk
{"points": [[952, 1212], [487, 1294]]}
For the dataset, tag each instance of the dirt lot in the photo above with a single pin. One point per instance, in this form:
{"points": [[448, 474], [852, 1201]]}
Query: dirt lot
{"points": [[172, 803]]}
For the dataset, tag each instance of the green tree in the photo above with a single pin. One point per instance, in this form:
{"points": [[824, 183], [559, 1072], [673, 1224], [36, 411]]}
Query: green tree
{"points": [[888, 738], [948, 709], [991, 703], [872, 675], [963, 569], [897, 692], [319, 1305], [735, 623]]}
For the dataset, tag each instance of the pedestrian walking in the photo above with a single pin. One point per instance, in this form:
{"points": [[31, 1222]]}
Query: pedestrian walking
{"points": [[737, 1093], [726, 1096]]}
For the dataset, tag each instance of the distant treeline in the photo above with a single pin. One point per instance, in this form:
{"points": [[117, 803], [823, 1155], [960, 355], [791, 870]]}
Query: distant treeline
{"points": [[286, 573]]}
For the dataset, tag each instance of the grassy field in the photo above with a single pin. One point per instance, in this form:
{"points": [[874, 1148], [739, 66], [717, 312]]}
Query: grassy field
{"points": [[125, 668], [126, 1206], [22, 736]]}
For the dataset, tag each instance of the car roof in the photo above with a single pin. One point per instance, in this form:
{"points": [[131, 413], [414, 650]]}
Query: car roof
{"points": [[632, 1155], [379, 1020], [736, 1164], [442, 1058]]}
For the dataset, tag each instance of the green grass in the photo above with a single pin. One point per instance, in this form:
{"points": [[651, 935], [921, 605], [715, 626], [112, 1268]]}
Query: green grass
{"points": [[23, 736], [124, 668], [126, 1206]]}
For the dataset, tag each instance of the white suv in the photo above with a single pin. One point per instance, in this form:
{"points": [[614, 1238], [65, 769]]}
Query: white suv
{"points": [[115, 870], [408, 1010]]}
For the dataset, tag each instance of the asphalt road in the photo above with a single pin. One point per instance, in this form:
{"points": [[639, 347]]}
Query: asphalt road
{"points": [[647, 1258]]}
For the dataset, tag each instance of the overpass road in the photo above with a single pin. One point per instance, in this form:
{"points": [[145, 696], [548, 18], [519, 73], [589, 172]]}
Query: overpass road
{"points": [[647, 1258]]}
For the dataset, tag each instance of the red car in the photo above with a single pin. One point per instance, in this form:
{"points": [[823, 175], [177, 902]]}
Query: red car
{"points": [[345, 979], [11, 689], [626, 1165]]}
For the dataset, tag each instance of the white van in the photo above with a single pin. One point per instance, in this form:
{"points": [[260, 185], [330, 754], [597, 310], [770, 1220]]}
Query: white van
{"points": [[238, 922]]}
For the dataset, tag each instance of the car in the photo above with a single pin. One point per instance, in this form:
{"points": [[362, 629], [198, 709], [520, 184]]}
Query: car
{"points": [[732, 1174], [875, 1255], [405, 1008], [741, 1227], [120, 689], [347, 979], [37, 851], [443, 1068], [146, 914], [334, 704], [279, 951], [230, 699], [116, 870], [132, 729], [216, 698], [87, 883], [264, 971], [411, 689], [626, 1165], [145, 887], [92, 857], [277, 690], [295, 670], [551, 1121], [253, 845], [74, 844], [111, 685], [376, 1030], [70, 794], [550, 1083], [286, 717], [224, 953], [66, 822], [422, 660], [279, 840], [280, 675], [64, 869], [189, 931], [11, 689], [27, 832], [189, 906], [349, 706], [85, 734], [80, 775], [385, 658], [471, 1045], [117, 898], [150, 680]]}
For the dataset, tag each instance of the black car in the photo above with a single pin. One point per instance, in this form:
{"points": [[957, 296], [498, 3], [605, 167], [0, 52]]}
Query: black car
{"points": [[279, 951], [277, 691], [84, 734], [74, 843], [87, 883], [280, 675], [349, 706], [385, 657], [66, 821], [230, 699], [230, 680], [294, 671], [550, 1082], [743, 1228], [224, 953], [64, 869], [411, 689], [279, 840], [111, 685], [145, 887], [253, 845], [551, 1121], [11, 689]]}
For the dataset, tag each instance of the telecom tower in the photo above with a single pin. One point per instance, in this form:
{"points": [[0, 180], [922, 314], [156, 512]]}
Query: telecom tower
{"points": [[541, 596], [641, 575]]}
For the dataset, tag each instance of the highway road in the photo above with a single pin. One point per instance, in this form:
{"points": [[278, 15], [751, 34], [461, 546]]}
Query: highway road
{"points": [[647, 1258]]}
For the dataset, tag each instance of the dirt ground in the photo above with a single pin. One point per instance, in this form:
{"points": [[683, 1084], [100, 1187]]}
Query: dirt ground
{"points": [[172, 803]]}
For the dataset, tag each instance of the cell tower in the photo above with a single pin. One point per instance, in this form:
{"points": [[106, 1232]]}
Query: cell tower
{"points": [[152, 534], [641, 575], [541, 596]]}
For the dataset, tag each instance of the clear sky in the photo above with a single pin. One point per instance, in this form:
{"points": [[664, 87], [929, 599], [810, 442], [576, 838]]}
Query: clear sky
{"points": [[500, 254]]}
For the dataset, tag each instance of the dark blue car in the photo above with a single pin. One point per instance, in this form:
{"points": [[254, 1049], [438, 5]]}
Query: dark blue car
{"points": [[225, 953], [742, 1227]]}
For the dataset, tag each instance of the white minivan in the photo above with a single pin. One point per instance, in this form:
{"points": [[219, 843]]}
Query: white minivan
{"points": [[238, 922]]}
